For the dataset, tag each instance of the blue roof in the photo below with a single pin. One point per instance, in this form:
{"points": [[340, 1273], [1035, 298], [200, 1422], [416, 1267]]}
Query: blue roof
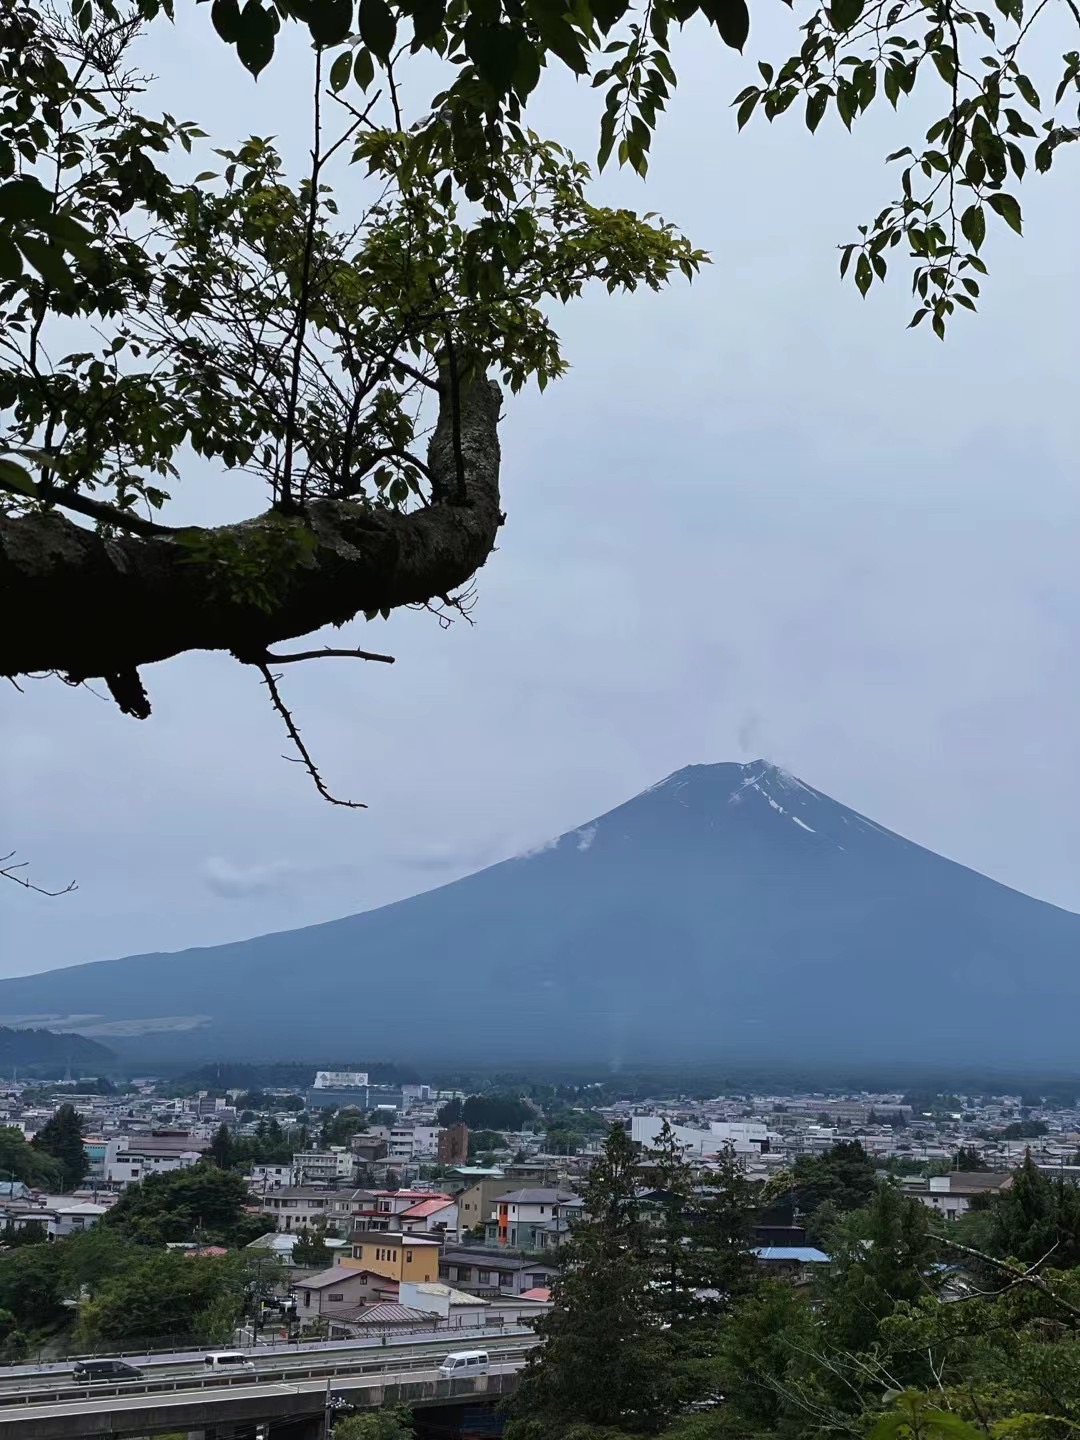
{"points": [[801, 1254]]}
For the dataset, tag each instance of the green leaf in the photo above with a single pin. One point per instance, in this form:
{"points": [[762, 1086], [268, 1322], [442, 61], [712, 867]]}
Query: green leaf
{"points": [[1028, 91], [15, 477], [845, 13], [25, 199], [815, 108], [205, 175], [340, 71], [746, 109], [48, 261], [864, 276], [330, 21], [225, 15], [731, 18], [378, 28], [1009, 209], [363, 68], [973, 224], [255, 42]]}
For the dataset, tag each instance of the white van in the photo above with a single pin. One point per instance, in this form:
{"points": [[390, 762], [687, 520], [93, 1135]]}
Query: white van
{"points": [[228, 1362], [465, 1362]]}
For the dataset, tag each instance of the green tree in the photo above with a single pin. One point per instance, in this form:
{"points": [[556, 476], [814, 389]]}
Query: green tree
{"points": [[221, 1147], [22, 1161], [62, 1137], [1036, 1218], [881, 1256], [393, 1422], [968, 1159], [844, 1175], [605, 1360], [168, 1296], [202, 1201], [311, 1250]]}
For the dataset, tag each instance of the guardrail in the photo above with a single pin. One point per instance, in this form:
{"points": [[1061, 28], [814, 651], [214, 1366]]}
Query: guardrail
{"points": [[282, 1375]]}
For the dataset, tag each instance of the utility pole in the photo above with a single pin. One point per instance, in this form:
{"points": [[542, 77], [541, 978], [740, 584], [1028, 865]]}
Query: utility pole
{"points": [[328, 1413]]}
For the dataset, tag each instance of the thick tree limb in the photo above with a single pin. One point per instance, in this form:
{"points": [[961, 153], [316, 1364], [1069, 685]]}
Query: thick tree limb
{"points": [[88, 606]]}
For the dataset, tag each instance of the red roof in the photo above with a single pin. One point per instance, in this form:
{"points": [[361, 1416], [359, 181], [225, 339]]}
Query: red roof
{"points": [[426, 1207], [539, 1292], [211, 1250]]}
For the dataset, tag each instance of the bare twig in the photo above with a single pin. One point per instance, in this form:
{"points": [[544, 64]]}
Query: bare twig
{"points": [[270, 681], [1017, 1275], [325, 652], [7, 872]]}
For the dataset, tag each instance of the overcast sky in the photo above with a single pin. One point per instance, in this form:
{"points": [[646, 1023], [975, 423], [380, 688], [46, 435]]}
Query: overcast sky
{"points": [[759, 517]]}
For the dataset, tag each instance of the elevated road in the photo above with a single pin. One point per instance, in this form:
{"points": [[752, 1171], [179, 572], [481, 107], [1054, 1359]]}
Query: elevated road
{"points": [[278, 1392]]}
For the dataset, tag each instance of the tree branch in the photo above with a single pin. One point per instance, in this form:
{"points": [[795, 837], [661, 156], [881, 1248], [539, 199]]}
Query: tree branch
{"points": [[7, 872], [279, 705], [91, 606], [325, 652]]}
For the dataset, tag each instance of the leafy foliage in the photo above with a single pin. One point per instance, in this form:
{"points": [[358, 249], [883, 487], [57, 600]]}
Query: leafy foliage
{"points": [[202, 1202], [62, 1137], [169, 1295], [28, 1163]]}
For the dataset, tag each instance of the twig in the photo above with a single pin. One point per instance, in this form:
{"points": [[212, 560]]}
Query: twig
{"points": [[69, 499], [7, 872], [1017, 1275], [279, 705], [327, 651]]}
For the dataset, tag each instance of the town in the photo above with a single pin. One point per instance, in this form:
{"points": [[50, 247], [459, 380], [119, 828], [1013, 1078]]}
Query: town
{"points": [[386, 1209]]}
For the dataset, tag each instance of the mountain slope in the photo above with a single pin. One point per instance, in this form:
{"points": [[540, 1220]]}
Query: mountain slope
{"points": [[730, 911]]}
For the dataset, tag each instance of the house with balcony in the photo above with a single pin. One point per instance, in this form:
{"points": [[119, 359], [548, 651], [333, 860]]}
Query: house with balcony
{"points": [[535, 1218], [298, 1207], [491, 1273]]}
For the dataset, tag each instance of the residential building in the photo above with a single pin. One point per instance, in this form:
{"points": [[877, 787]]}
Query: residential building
{"points": [[413, 1142], [270, 1177], [790, 1261], [319, 1295], [336, 1166], [476, 1202], [436, 1215], [393, 1254], [298, 1207], [951, 1195], [368, 1148], [133, 1157], [532, 1219], [453, 1147], [494, 1272]]}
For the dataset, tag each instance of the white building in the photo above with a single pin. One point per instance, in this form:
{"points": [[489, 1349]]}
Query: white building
{"points": [[413, 1142], [130, 1158], [744, 1138], [336, 1166]]}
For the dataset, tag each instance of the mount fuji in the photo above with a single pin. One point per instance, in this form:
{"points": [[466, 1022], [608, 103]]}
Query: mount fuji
{"points": [[731, 911]]}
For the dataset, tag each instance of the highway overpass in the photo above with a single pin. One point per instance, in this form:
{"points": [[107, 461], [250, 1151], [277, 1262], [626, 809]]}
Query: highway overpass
{"points": [[287, 1389]]}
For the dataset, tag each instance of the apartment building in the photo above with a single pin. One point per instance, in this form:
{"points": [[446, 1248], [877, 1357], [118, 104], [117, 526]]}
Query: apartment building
{"points": [[298, 1207]]}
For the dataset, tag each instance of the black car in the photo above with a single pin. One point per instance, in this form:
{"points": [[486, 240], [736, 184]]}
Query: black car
{"points": [[89, 1371]]}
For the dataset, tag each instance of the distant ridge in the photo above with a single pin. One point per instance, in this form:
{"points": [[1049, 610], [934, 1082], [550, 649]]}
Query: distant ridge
{"points": [[729, 911]]}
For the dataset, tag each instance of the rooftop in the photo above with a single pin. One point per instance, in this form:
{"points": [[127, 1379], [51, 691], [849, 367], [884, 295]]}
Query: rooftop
{"points": [[538, 1195], [389, 1237]]}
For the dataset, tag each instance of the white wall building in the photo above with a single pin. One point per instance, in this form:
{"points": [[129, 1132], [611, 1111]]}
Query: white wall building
{"points": [[130, 1158]]}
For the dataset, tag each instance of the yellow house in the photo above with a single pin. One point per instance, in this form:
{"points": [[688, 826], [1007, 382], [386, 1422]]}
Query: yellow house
{"points": [[397, 1256]]}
